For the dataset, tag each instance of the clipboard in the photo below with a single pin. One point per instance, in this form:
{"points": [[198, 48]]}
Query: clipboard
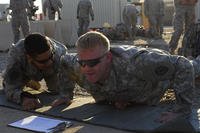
{"points": [[41, 124]]}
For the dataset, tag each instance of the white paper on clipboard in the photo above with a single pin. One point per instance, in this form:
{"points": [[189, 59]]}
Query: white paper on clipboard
{"points": [[40, 124]]}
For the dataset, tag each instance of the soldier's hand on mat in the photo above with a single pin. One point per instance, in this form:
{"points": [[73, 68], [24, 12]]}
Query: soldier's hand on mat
{"points": [[60, 101], [166, 117], [121, 104], [30, 103]]}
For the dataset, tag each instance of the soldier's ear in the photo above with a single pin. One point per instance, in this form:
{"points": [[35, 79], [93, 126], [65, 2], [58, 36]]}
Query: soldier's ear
{"points": [[109, 56]]}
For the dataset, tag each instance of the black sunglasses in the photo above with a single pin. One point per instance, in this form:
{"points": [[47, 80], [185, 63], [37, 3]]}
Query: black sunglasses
{"points": [[92, 62], [46, 60]]}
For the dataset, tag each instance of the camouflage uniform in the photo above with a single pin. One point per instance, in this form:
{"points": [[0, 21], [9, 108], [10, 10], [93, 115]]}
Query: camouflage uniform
{"points": [[138, 75], [191, 42], [120, 31], [84, 9], [19, 71], [19, 18], [184, 14], [32, 10], [154, 10], [52, 8], [31, 3], [130, 19]]}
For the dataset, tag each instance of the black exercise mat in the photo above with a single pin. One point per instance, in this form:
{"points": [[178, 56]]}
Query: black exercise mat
{"points": [[138, 118], [80, 109]]}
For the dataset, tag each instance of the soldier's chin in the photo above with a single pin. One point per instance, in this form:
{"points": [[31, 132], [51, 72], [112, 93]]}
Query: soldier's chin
{"points": [[45, 67], [91, 79]]}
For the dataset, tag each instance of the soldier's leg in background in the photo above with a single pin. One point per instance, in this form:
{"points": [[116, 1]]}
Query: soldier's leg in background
{"points": [[15, 22], [124, 17], [152, 22], [160, 26], [133, 25], [133, 21], [134, 30], [189, 18], [188, 46], [157, 29], [80, 27], [51, 15], [86, 25], [25, 25], [129, 29], [59, 14], [178, 29], [127, 22], [189, 43], [127, 25]]}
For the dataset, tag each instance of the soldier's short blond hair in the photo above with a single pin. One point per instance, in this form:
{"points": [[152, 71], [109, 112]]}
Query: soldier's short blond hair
{"points": [[92, 39]]}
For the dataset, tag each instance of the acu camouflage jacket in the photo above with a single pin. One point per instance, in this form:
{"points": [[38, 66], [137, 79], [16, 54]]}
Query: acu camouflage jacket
{"points": [[138, 75], [19, 71]]}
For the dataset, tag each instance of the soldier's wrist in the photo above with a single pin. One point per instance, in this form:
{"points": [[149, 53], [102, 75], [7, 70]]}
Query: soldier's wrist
{"points": [[26, 95], [66, 98]]}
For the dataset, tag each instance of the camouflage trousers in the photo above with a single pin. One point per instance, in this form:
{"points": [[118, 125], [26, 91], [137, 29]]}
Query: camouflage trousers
{"points": [[156, 25], [83, 24], [20, 20], [51, 14], [191, 42], [183, 15], [130, 22]]}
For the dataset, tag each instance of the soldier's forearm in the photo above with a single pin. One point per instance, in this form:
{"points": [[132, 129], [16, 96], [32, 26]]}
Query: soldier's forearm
{"points": [[67, 92], [184, 103], [68, 95], [14, 96]]}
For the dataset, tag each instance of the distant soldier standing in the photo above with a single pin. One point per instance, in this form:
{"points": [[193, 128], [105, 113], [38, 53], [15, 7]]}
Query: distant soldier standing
{"points": [[32, 10], [184, 15], [154, 10], [130, 19], [31, 2], [83, 11], [19, 18], [52, 6]]}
